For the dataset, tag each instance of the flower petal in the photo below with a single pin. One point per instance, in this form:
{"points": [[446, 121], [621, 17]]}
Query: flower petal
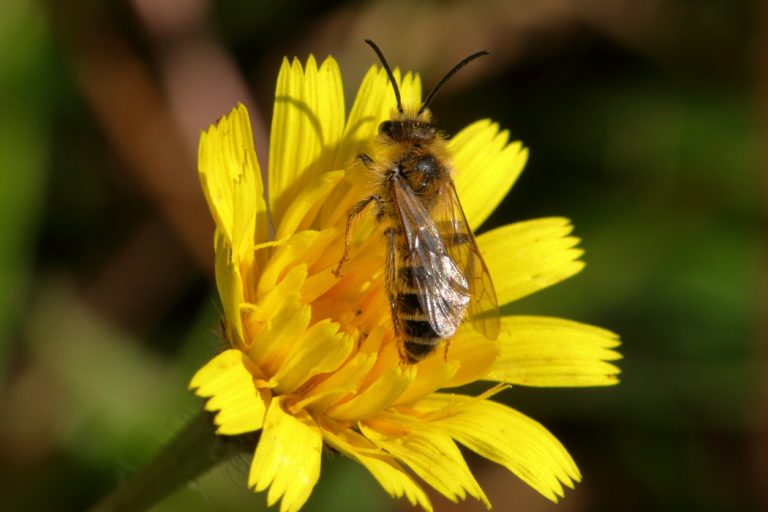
{"points": [[278, 320], [231, 179], [384, 468], [303, 248], [383, 392], [307, 125], [230, 285], [542, 351], [302, 210], [507, 437], [373, 104], [226, 379], [433, 456], [368, 110], [475, 353], [321, 349], [287, 458], [485, 168], [410, 91], [525, 257], [344, 381], [433, 374]]}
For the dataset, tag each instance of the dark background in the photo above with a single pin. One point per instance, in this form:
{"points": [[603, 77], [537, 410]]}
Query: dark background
{"points": [[645, 122]]}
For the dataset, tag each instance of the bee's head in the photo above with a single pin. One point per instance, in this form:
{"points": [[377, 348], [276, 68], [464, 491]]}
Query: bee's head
{"points": [[410, 130]]}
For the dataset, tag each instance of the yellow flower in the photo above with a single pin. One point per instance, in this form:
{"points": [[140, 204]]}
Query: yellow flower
{"points": [[313, 360]]}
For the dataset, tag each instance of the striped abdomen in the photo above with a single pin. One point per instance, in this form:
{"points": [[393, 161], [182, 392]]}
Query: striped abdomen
{"points": [[419, 338]]}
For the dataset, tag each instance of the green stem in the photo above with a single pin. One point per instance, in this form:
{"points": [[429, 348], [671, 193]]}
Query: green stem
{"points": [[193, 451]]}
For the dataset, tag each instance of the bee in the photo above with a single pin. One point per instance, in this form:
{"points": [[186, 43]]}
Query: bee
{"points": [[434, 274]]}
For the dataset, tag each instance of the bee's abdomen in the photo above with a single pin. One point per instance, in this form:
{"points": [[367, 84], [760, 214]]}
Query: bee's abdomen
{"points": [[408, 304], [415, 352], [419, 330], [407, 276], [420, 339]]}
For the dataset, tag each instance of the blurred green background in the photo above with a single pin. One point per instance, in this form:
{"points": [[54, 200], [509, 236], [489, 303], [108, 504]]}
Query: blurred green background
{"points": [[645, 123]]}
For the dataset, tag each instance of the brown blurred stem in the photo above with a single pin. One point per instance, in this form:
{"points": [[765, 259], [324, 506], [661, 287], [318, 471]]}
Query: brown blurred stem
{"points": [[132, 111], [758, 449], [193, 451]]}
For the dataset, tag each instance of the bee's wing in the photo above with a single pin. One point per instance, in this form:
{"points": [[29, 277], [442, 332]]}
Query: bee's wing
{"points": [[443, 290], [461, 246]]}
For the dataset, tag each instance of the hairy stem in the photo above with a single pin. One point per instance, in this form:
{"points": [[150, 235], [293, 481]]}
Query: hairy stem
{"points": [[193, 451]]}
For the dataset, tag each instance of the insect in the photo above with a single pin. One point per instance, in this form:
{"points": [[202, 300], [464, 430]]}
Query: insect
{"points": [[435, 276]]}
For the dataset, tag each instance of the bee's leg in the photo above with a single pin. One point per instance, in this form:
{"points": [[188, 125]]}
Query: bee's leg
{"points": [[445, 352], [356, 209], [390, 274], [365, 159]]}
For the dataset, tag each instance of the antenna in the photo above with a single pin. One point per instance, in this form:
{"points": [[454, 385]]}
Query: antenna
{"points": [[389, 73], [452, 72]]}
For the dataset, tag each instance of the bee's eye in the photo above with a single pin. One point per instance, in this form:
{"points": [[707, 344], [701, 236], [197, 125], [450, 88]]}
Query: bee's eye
{"points": [[385, 128]]}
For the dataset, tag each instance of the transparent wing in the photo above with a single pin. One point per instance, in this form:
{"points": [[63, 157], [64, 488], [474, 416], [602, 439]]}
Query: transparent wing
{"points": [[443, 290], [460, 244]]}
